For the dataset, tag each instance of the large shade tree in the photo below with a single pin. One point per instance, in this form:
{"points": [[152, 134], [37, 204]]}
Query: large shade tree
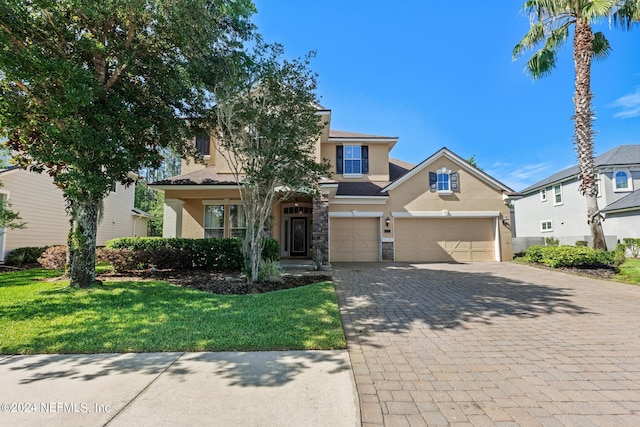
{"points": [[551, 21], [267, 126], [92, 90]]}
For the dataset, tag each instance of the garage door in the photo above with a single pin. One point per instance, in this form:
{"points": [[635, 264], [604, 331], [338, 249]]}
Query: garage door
{"points": [[446, 239], [354, 239]]}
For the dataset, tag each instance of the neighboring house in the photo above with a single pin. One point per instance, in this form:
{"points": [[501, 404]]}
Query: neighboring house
{"points": [[41, 204], [373, 208], [555, 207]]}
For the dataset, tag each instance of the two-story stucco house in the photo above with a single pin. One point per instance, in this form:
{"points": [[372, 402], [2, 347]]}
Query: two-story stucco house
{"points": [[373, 208], [41, 204], [555, 207]]}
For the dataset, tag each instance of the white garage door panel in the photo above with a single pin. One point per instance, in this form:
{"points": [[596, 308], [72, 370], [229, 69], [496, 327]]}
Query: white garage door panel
{"points": [[450, 239], [354, 239]]}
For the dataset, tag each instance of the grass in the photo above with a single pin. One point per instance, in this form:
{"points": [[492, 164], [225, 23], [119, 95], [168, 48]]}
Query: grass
{"points": [[38, 316], [629, 272]]}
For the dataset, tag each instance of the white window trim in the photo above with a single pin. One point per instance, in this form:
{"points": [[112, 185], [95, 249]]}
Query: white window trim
{"points": [[443, 171], [629, 188], [598, 183], [542, 230], [543, 195], [553, 189], [344, 161]]}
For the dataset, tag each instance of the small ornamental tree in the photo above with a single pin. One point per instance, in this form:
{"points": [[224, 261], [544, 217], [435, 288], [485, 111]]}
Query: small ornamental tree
{"points": [[90, 91], [267, 126]]}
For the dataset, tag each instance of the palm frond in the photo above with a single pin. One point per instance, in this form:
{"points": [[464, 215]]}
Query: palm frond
{"points": [[534, 36], [627, 15], [541, 63], [601, 46], [557, 36], [595, 10]]}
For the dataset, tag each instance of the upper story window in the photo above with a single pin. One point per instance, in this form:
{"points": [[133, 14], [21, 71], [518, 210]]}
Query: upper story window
{"points": [[543, 195], [443, 181], [352, 159], [557, 194], [622, 181], [596, 179], [202, 142], [546, 225]]}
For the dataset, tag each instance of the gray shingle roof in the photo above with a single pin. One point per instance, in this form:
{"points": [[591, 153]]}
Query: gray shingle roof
{"points": [[628, 202], [619, 156], [362, 188]]}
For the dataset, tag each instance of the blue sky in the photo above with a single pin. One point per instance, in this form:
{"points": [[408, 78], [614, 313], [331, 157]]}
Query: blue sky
{"points": [[435, 75]]}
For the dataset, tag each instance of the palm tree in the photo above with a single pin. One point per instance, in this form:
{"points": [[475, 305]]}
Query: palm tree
{"points": [[550, 24]]}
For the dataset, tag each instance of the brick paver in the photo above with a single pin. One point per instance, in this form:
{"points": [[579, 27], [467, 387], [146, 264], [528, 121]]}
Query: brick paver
{"points": [[490, 344]]}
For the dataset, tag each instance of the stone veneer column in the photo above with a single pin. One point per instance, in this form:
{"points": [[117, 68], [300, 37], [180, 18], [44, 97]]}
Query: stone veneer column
{"points": [[320, 233]]}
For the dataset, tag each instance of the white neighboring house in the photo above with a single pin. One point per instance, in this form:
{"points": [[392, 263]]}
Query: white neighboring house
{"points": [[555, 207], [41, 204]]}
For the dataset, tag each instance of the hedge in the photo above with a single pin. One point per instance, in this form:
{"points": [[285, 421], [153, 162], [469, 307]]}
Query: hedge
{"points": [[25, 255], [200, 254], [574, 256]]}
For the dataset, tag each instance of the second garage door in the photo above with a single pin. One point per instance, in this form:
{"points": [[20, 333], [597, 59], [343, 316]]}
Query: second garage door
{"points": [[354, 239], [444, 239]]}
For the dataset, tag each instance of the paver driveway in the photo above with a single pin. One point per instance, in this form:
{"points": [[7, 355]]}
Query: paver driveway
{"points": [[490, 344]]}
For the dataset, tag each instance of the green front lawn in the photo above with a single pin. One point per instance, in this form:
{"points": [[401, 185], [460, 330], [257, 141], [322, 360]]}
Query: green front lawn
{"points": [[629, 272], [39, 316]]}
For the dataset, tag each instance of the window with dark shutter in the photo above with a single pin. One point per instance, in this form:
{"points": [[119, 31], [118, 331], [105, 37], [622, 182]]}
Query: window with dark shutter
{"points": [[339, 159], [455, 183], [433, 182], [202, 142], [365, 159]]}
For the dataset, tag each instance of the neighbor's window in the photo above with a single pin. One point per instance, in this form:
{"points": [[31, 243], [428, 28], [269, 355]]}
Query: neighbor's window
{"points": [[237, 221], [214, 221], [202, 142], [543, 195], [596, 179], [352, 160], [557, 194], [546, 226], [623, 181]]}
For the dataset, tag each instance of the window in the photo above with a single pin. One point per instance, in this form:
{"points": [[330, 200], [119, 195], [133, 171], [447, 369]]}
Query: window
{"points": [[546, 226], [443, 181], [596, 179], [543, 195], [623, 181], [214, 221], [352, 159], [237, 221], [202, 142], [557, 194]]}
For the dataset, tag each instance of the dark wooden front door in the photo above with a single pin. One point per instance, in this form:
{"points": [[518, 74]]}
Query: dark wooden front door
{"points": [[298, 236]]}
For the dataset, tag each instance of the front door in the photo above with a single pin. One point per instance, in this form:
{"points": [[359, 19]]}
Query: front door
{"points": [[298, 236]]}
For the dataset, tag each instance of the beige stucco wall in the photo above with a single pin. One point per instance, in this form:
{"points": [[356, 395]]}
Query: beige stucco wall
{"points": [[41, 204]]}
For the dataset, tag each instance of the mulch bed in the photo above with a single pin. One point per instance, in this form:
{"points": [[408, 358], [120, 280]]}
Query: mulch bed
{"points": [[218, 283]]}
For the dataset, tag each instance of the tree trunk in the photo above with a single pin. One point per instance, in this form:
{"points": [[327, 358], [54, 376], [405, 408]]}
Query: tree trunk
{"points": [[583, 125], [82, 242]]}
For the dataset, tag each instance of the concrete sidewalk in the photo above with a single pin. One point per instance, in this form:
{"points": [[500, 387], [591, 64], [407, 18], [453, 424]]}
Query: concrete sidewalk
{"points": [[292, 388]]}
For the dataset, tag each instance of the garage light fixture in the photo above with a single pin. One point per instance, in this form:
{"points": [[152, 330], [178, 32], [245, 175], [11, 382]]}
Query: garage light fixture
{"points": [[387, 221]]}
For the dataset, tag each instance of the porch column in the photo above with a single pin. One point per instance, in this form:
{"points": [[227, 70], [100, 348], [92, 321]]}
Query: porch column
{"points": [[320, 233], [172, 223]]}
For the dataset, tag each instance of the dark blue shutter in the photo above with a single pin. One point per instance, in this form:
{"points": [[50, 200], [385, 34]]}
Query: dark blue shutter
{"points": [[365, 159], [433, 181], [339, 159], [455, 184]]}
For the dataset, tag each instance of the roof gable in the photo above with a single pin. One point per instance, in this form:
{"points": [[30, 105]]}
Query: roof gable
{"points": [[450, 155]]}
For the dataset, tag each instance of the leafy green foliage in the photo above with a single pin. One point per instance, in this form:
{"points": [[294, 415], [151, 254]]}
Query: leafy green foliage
{"points": [[150, 316], [25, 255], [267, 125], [581, 243], [632, 245], [551, 241], [573, 256], [9, 219], [271, 250], [90, 91], [269, 271]]}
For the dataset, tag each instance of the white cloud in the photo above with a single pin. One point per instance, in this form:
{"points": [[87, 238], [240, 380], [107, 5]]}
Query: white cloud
{"points": [[519, 177], [629, 105]]}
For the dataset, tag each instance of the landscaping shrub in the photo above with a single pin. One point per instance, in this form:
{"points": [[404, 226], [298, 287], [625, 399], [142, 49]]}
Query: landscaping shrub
{"points": [[581, 243], [54, 258], [269, 271], [551, 241], [271, 250], [26, 255], [161, 258], [202, 254], [632, 245], [573, 256]]}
